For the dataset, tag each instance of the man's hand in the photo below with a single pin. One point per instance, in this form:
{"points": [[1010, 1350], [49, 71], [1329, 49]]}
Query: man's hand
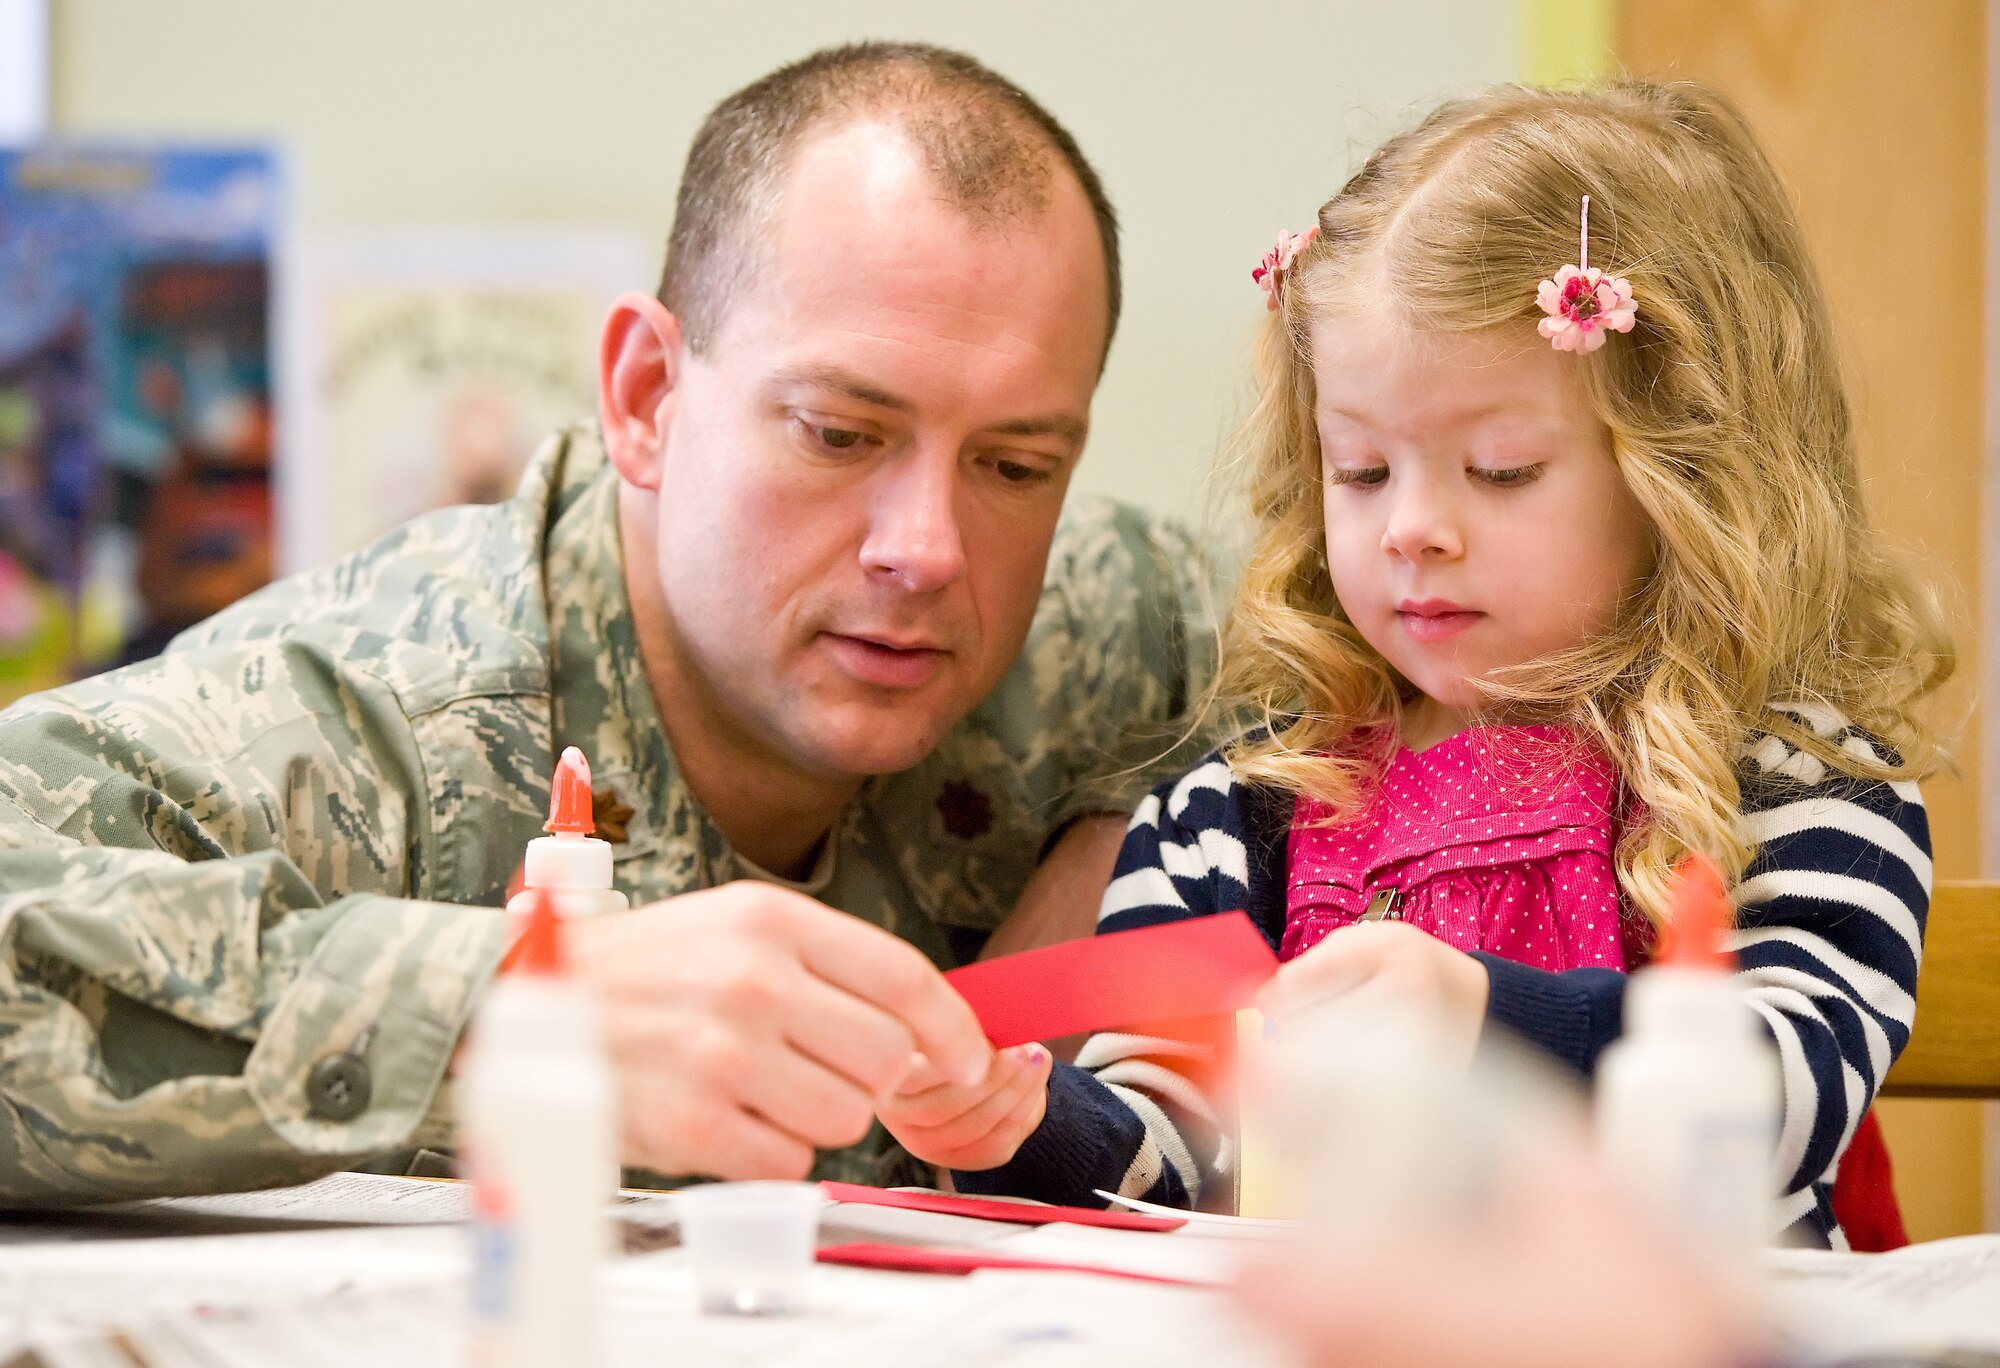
{"points": [[1388, 957], [976, 1127], [749, 1025]]}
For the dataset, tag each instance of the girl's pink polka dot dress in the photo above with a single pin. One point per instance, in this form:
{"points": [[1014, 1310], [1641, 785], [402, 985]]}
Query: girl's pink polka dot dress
{"points": [[1498, 839]]}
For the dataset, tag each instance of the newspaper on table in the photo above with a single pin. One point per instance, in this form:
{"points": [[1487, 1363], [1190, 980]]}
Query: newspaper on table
{"points": [[363, 1269]]}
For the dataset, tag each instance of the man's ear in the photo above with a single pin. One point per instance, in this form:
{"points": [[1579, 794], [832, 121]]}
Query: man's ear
{"points": [[638, 369]]}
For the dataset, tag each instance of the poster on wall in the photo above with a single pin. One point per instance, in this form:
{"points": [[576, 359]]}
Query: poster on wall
{"points": [[135, 399], [424, 370]]}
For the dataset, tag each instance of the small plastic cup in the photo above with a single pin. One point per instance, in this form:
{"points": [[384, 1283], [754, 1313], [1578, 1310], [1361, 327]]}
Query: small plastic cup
{"points": [[752, 1245]]}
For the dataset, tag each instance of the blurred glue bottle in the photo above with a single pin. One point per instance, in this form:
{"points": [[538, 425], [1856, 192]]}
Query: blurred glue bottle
{"points": [[569, 863], [537, 1134], [1688, 1098]]}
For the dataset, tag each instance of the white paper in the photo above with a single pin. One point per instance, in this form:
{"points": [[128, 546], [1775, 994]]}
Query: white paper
{"points": [[856, 1317], [394, 1295], [1944, 1295], [1075, 1320], [52, 1288], [1210, 1222], [1215, 1263], [339, 1199]]}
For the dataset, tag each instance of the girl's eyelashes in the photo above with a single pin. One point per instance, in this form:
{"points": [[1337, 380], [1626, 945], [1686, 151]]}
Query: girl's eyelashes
{"points": [[1367, 477], [1508, 478]]}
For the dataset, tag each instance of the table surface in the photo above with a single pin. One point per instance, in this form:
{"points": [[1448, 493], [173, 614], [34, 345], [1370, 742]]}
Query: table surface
{"points": [[365, 1269], [359, 1269]]}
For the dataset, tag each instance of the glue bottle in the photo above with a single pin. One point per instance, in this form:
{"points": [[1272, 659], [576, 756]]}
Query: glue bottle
{"points": [[569, 863], [1688, 1099], [537, 1134]]}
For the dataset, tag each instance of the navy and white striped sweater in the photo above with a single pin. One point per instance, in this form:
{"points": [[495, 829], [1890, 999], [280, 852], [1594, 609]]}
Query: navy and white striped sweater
{"points": [[1830, 931]]}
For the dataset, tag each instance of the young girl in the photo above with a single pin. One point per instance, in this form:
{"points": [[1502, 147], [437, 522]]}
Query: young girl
{"points": [[1559, 571]]}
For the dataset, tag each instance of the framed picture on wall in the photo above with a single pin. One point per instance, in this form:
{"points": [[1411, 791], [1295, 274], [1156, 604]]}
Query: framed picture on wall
{"points": [[423, 371]]}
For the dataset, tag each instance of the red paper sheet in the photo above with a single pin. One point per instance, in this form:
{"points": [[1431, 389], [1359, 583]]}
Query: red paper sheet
{"points": [[1199, 967], [986, 1209], [911, 1259]]}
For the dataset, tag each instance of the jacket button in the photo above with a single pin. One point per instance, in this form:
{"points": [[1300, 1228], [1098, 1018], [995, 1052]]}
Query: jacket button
{"points": [[338, 1088]]}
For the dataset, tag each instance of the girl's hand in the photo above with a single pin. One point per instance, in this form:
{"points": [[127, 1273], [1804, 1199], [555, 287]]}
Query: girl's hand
{"points": [[975, 1127], [1389, 957]]}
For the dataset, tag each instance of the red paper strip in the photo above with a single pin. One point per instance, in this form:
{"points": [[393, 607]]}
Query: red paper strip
{"points": [[1199, 967], [986, 1209], [959, 1262]]}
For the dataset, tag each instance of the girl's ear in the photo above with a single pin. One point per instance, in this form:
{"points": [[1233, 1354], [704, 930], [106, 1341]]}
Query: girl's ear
{"points": [[639, 362]]}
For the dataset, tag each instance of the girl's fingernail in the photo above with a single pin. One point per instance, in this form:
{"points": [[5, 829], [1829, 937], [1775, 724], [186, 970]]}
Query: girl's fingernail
{"points": [[1036, 1054]]}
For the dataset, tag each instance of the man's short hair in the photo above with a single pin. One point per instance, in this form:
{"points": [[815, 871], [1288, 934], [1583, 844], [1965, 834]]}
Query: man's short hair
{"points": [[984, 140]]}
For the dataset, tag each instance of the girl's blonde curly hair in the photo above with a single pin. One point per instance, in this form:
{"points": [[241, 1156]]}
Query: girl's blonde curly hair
{"points": [[1729, 422]]}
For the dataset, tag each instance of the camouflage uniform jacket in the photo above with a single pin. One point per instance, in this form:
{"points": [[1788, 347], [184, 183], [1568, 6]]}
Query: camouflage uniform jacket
{"points": [[248, 888]]}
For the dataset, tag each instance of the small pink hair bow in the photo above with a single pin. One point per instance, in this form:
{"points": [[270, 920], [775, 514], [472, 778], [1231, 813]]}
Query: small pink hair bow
{"points": [[1583, 303], [1271, 272]]}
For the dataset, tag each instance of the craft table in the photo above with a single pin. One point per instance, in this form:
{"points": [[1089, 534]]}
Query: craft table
{"points": [[367, 1270]]}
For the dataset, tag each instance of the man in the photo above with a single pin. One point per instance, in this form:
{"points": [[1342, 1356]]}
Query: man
{"points": [[793, 605]]}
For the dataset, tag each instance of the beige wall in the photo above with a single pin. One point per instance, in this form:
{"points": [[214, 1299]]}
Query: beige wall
{"points": [[1213, 125]]}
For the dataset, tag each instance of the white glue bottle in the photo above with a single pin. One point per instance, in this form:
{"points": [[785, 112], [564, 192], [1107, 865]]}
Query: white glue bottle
{"points": [[569, 863], [1688, 1098], [538, 1136]]}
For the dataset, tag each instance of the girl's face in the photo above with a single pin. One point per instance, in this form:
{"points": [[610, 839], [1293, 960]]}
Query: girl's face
{"points": [[1475, 518]]}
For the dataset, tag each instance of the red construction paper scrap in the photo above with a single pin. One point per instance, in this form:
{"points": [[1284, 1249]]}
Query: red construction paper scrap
{"points": [[988, 1209], [959, 1262], [1198, 967]]}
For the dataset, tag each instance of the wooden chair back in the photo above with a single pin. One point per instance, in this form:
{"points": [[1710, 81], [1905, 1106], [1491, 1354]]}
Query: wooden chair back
{"points": [[1954, 1050]]}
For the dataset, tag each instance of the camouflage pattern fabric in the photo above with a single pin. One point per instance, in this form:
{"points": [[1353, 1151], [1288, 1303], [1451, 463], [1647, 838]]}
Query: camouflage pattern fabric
{"points": [[284, 841]]}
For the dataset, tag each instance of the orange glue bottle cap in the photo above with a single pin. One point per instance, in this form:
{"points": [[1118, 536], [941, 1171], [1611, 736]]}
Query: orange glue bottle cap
{"points": [[569, 857], [1693, 937], [569, 797]]}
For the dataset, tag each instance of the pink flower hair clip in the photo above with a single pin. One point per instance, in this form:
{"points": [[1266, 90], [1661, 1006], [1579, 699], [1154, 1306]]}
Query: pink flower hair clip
{"points": [[1583, 303], [1271, 272]]}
